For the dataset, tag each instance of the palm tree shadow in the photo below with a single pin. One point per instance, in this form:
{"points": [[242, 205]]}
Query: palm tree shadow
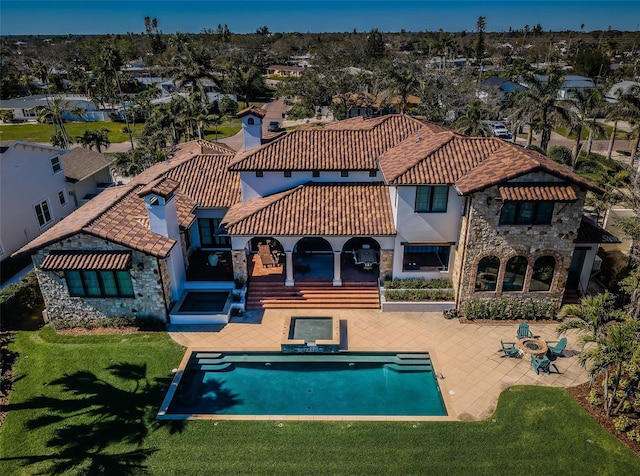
{"points": [[98, 416]]}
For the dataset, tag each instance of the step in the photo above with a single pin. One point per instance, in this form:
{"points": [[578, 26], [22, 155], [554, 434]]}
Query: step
{"points": [[409, 368], [208, 355], [217, 368]]}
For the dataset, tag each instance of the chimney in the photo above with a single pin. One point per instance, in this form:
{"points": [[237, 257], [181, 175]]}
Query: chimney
{"points": [[252, 126]]}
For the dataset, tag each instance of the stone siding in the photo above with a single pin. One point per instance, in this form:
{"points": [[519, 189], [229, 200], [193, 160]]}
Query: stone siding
{"points": [[148, 300], [239, 259], [386, 264], [486, 237]]}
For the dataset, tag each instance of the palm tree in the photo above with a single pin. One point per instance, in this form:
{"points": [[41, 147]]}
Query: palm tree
{"points": [[583, 104], [590, 318], [471, 122], [53, 113], [92, 138], [190, 67], [403, 81]]}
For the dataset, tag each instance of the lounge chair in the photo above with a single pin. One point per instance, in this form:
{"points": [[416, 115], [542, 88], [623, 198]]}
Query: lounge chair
{"points": [[558, 349], [510, 349], [267, 260], [524, 331], [542, 363]]}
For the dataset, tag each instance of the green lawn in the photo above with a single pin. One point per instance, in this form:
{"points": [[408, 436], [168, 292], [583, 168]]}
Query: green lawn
{"points": [[86, 405], [584, 134], [43, 132]]}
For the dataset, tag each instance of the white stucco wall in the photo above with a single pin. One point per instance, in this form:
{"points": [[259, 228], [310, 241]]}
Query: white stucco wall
{"points": [[273, 182], [26, 178], [424, 228]]}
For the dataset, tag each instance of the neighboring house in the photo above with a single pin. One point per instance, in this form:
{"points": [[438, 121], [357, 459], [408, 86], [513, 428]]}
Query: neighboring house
{"points": [[368, 105], [497, 87], [285, 70], [87, 173], [33, 192], [26, 108], [354, 202], [618, 89], [571, 85]]}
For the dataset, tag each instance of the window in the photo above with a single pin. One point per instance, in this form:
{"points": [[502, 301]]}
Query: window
{"points": [[99, 283], [208, 238], [373, 173], [542, 276], [514, 274], [487, 275], [344, 173], [431, 199], [56, 166], [526, 213], [426, 258], [259, 173], [287, 173], [316, 173], [250, 121], [43, 213], [62, 197]]}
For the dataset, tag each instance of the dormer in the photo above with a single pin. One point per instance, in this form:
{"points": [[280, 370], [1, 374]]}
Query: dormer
{"points": [[252, 126]]}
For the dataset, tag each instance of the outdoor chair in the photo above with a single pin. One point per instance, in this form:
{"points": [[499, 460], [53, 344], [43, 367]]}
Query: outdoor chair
{"points": [[267, 260], [558, 349], [524, 331], [542, 363], [510, 349]]}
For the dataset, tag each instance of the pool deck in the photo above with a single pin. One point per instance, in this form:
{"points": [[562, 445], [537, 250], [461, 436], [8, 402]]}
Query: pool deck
{"points": [[466, 355]]}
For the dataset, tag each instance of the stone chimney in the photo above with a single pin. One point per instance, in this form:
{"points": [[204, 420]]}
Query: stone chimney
{"points": [[252, 126], [160, 202]]}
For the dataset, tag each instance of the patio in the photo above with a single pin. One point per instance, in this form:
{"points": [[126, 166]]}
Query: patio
{"points": [[466, 355]]}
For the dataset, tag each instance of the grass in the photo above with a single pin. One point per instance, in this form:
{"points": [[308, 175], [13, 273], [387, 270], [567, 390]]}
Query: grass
{"points": [[43, 132], [584, 134], [86, 405]]}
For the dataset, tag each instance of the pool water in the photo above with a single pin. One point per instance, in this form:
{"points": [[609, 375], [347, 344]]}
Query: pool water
{"points": [[204, 301], [376, 384], [311, 328]]}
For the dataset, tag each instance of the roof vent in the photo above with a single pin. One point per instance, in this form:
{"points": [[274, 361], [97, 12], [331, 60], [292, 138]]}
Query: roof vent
{"points": [[419, 139]]}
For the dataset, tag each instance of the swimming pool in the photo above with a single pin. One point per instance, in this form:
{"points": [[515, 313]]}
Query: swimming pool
{"points": [[273, 384]]}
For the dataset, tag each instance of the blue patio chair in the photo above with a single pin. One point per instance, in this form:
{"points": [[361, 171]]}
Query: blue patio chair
{"points": [[524, 331], [510, 349], [542, 363], [558, 349]]}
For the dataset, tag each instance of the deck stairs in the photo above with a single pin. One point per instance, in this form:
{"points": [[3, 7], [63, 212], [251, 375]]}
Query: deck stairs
{"points": [[313, 295]]}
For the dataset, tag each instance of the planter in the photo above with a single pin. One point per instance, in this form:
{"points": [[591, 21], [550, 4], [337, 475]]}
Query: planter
{"points": [[413, 306]]}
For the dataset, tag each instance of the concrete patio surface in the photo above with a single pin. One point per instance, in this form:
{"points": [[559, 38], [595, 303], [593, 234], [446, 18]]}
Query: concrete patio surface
{"points": [[472, 371]]}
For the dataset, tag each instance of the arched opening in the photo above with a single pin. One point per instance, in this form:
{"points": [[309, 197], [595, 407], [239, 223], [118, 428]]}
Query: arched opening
{"points": [[514, 274], [487, 274], [543, 270], [360, 259], [313, 259], [266, 258], [250, 121]]}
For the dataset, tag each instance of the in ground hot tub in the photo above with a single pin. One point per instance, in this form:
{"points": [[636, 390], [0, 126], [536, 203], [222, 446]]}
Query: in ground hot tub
{"points": [[310, 334]]}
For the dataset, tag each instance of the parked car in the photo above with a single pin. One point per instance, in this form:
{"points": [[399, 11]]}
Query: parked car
{"points": [[274, 126], [498, 129]]}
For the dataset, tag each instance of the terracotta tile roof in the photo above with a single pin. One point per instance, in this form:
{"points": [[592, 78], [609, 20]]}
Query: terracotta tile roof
{"points": [[352, 146], [256, 111], [163, 187], [87, 260], [206, 180], [533, 192], [208, 147], [316, 209], [80, 163]]}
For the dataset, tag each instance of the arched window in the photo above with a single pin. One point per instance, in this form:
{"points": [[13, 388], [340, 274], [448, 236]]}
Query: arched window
{"points": [[514, 274], [487, 275], [250, 121], [543, 270]]}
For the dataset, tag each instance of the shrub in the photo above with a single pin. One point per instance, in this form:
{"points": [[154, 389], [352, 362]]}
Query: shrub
{"points": [[20, 300], [419, 295], [418, 283], [594, 397], [108, 322], [622, 423], [510, 309]]}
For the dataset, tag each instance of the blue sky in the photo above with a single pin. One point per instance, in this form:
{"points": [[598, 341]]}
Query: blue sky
{"points": [[53, 17]]}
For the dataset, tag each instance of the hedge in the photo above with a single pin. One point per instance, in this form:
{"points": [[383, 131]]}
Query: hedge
{"points": [[510, 309]]}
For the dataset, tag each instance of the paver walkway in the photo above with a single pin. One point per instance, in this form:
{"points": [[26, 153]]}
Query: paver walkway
{"points": [[466, 355]]}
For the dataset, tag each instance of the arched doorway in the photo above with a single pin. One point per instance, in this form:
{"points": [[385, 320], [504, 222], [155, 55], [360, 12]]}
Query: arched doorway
{"points": [[360, 259], [313, 259]]}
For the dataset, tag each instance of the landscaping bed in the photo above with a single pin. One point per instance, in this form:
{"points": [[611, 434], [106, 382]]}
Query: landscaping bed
{"points": [[416, 295]]}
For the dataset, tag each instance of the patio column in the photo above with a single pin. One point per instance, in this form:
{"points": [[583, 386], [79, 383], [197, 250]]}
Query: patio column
{"points": [[289, 267], [337, 281]]}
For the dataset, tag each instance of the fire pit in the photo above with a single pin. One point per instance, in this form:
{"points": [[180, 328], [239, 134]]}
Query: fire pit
{"points": [[533, 346]]}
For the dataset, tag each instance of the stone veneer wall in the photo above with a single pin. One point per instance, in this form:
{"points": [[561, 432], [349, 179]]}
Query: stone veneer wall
{"points": [[386, 263], [486, 237], [148, 282], [459, 253], [239, 259]]}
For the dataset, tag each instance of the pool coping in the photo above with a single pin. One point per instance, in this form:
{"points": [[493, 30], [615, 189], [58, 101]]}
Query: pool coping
{"points": [[163, 416]]}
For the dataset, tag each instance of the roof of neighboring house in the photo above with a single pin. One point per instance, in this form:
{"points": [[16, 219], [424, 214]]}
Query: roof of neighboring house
{"points": [[284, 67], [353, 144], [80, 163], [316, 209], [118, 214], [469, 163], [29, 102], [591, 232]]}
